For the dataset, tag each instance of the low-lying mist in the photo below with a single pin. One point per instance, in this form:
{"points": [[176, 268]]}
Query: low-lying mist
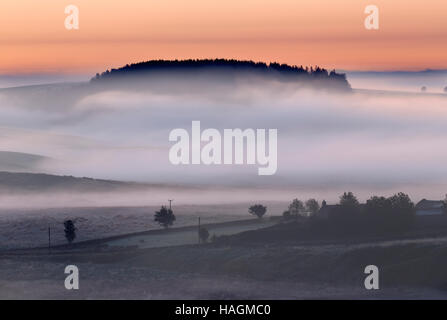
{"points": [[328, 142], [434, 81]]}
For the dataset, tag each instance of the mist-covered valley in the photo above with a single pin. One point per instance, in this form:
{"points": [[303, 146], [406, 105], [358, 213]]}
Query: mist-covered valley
{"points": [[104, 144], [328, 141], [96, 153]]}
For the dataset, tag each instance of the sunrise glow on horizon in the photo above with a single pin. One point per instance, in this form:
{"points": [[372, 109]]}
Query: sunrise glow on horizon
{"points": [[309, 32]]}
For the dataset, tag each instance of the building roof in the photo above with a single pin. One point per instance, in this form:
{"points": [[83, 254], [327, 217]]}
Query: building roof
{"points": [[430, 207], [430, 204]]}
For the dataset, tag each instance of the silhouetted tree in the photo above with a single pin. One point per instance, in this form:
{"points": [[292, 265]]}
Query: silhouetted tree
{"points": [[349, 200], [165, 217], [69, 230], [391, 213], [401, 204], [257, 210], [403, 211], [378, 205], [445, 89], [203, 234], [286, 214], [312, 206], [348, 213], [296, 208], [424, 88], [379, 210]]}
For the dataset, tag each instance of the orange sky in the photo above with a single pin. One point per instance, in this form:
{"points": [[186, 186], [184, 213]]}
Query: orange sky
{"points": [[329, 33]]}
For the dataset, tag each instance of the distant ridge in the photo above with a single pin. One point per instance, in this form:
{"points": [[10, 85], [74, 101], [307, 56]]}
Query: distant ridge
{"points": [[15, 161], [440, 72], [197, 67], [32, 182]]}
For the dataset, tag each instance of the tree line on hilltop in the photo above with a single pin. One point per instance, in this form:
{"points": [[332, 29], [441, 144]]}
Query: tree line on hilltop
{"points": [[273, 69]]}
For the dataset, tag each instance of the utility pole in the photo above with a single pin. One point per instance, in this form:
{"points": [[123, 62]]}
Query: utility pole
{"points": [[198, 231], [170, 200], [49, 239]]}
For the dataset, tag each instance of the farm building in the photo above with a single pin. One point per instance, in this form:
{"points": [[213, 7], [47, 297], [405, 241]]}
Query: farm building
{"points": [[430, 207]]}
